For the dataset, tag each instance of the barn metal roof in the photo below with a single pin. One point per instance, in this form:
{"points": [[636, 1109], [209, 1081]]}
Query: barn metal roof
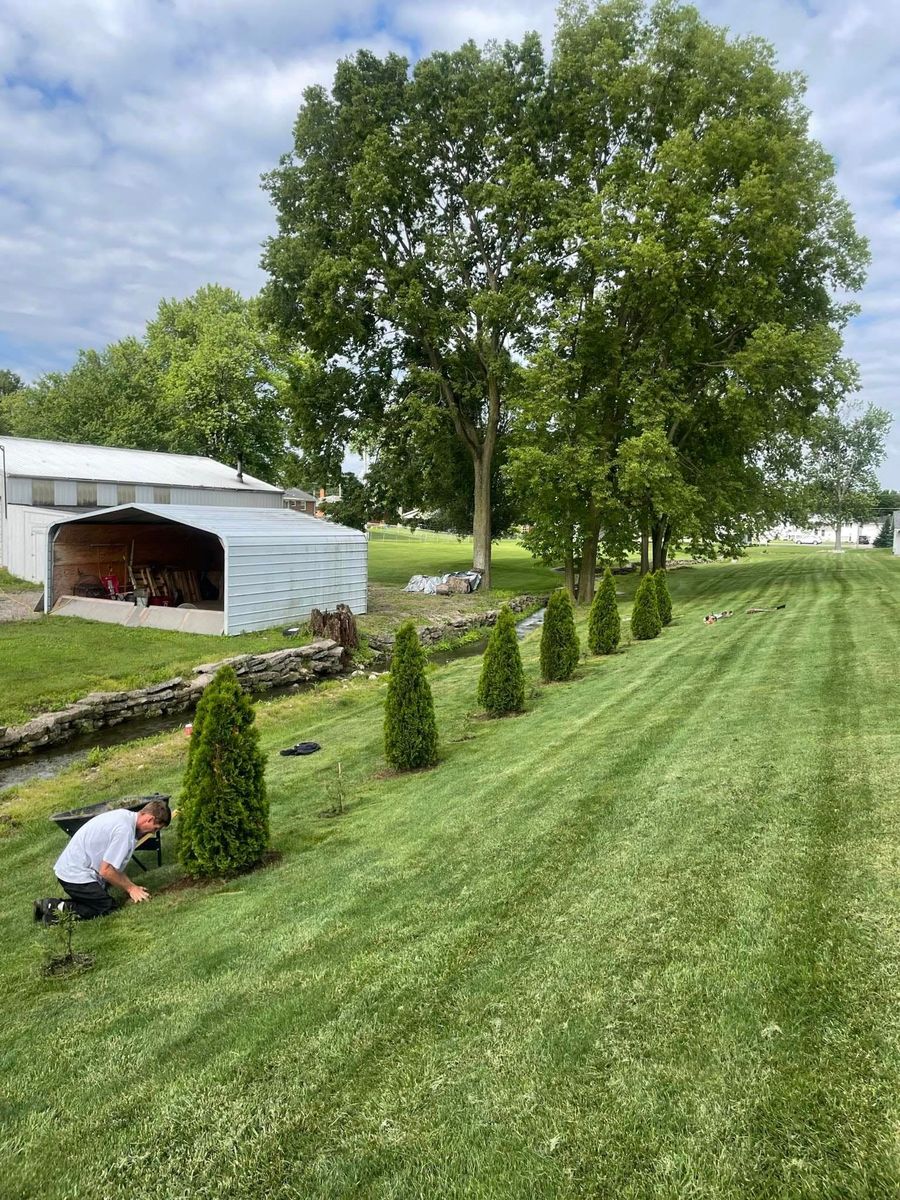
{"points": [[253, 526], [33, 458]]}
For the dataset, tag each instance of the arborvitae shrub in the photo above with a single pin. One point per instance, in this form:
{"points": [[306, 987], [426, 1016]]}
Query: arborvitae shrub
{"points": [[224, 820], [885, 538], [604, 626], [410, 730], [501, 688], [645, 622], [663, 599], [559, 641]]}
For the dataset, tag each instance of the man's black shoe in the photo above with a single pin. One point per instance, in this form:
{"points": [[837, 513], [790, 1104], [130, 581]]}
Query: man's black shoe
{"points": [[49, 911]]}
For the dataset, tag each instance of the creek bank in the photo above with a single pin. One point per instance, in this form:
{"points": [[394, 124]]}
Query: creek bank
{"points": [[278, 669], [256, 672], [430, 635]]}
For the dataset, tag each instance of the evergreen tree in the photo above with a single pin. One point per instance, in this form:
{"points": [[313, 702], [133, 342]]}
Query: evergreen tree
{"points": [[663, 599], [645, 622], [885, 539], [410, 729], [224, 824], [559, 641], [604, 626], [501, 688]]}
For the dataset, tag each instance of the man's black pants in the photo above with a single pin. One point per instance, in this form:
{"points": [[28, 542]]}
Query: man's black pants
{"points": [[88, 900]]}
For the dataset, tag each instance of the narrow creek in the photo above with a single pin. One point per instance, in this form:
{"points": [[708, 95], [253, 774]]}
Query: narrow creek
{"points": [[48, 763]]}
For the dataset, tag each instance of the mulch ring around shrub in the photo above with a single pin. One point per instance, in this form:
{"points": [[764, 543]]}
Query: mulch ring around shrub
{"points": [[271, 858], [61, 965]]}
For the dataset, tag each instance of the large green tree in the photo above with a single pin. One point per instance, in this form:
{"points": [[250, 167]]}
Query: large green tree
{"points": [[218, 376], [845, 449], [110, 397], [408, 249], [207, 378], [705, 244]]}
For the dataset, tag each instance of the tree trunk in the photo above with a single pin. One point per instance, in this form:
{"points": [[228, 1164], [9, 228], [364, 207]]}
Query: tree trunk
{"points": [[645, 552], [570, 571], [588, 573], [659, 529], [838, 529], [664, 553], [481, 529]]}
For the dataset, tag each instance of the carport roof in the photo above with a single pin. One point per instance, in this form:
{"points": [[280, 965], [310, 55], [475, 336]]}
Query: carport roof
{"points": [[232, 525]]}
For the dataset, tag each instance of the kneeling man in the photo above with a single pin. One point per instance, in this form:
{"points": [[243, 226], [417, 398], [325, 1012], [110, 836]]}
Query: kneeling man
{"points": [[95, 859]]}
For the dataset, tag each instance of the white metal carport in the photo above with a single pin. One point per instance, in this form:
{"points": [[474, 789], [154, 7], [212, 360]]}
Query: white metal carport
{"points": [[275, 565]]}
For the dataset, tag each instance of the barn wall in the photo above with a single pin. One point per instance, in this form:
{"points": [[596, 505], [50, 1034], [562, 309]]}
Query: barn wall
{"points": [[24, 540]]}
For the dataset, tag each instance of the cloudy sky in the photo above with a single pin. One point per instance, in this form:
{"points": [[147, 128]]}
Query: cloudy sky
{"points": [[133, 134]]}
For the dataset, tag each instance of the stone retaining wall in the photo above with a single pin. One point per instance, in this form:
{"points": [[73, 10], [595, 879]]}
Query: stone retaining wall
{"points": [[257, 673]]}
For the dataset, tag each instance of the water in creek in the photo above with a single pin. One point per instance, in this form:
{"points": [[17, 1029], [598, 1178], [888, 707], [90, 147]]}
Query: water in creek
{"points": [[48, 763]]}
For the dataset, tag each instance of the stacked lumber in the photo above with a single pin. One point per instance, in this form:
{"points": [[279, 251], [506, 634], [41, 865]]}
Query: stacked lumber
{"points": [[169, 582]]}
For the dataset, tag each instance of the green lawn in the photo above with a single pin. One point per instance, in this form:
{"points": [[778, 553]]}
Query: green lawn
{"points": [[640, 942], [395, 555], [50, 662], [12, 583]]}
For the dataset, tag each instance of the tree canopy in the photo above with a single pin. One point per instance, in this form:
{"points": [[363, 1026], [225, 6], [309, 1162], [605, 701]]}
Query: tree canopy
{"points": [[207, 378], [408, 219], [624, 258], [216, 368], [695, 320]]}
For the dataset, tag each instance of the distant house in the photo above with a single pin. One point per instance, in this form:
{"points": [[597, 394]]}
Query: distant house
{"points": [[897, 533], [299, 501], [44, 482]]}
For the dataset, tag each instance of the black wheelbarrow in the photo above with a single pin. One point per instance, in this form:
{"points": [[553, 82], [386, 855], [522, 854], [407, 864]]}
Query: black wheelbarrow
{"points": [[73, 820]]}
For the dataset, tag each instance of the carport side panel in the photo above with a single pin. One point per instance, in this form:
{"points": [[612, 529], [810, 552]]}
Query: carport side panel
{"points": [[276, 583]]}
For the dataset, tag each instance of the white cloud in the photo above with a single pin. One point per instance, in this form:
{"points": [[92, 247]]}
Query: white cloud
{"points": [[134, 134]]}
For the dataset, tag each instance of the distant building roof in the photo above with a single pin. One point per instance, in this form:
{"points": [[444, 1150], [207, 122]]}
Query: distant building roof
{"points": [[297, 494], [110, 464]]}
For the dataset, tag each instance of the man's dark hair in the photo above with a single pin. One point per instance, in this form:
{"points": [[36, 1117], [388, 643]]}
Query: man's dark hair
{"points": [[160, 810]]}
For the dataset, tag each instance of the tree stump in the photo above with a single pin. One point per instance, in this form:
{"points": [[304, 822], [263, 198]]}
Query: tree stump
{"points": [[339, 625]]}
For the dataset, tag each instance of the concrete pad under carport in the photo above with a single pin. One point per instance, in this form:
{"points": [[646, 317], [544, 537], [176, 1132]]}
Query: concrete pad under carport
{"points": [[115, 612]]}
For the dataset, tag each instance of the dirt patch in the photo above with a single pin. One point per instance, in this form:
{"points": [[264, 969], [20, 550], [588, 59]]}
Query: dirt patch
{"points": [[19, 606], [271, 858], [390, 605], [62, 965]]}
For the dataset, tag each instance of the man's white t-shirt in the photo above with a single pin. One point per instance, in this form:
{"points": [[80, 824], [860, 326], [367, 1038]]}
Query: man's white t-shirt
{"points": [[108, 838]]}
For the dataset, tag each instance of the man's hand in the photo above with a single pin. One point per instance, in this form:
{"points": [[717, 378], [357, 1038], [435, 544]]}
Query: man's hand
{"points": [[120, 880]]}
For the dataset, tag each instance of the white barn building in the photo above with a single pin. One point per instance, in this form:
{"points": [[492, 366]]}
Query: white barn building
{"points": [[44, 482]]}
